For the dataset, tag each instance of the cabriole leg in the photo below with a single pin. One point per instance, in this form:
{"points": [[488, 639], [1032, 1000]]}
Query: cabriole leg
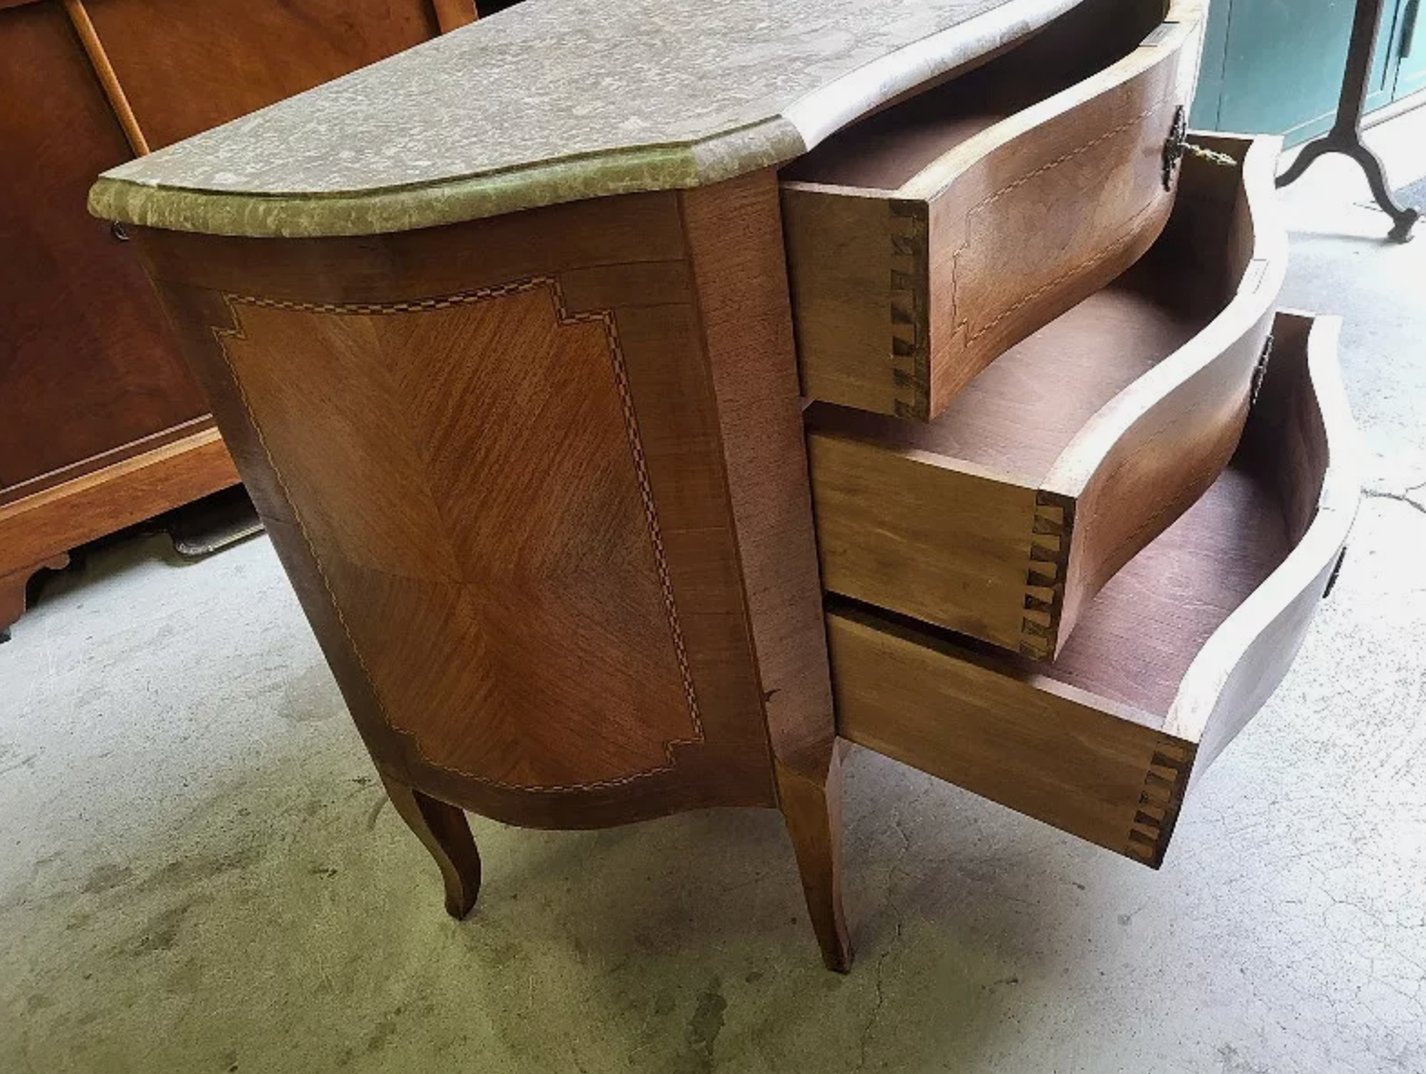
{"points": [[446, 834]]}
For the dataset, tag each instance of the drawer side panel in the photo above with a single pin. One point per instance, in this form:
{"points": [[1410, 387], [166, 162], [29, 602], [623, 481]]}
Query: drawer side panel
{"points": [[1049, 215], [1091, 772], [899, 531]]}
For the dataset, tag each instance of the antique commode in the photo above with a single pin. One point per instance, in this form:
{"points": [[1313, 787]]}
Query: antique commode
{"points": [[644, 395]]}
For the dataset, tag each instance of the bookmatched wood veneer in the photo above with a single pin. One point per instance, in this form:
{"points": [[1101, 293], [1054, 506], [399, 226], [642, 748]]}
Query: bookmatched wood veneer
{"points": [[540, 484]]}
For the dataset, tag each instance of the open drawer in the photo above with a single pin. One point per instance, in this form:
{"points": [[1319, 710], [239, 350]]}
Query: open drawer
{"points": [[1068, 454], [926, 239], [1170, 660]]}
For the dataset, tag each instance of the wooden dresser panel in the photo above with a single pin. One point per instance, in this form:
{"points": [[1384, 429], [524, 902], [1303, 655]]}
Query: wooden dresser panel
{"points": [[492, 460], [540, 484], [88, 364]]}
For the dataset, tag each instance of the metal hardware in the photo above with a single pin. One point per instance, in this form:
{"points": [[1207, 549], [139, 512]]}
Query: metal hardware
{"points": [[1177, 145], [1173, 145], [119, 231], [1345, 137], [1202, 152], [1408, 28], [1260, 371]]}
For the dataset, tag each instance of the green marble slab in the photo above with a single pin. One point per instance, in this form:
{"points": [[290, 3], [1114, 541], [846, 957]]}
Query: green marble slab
{"points": [[558, 100]]}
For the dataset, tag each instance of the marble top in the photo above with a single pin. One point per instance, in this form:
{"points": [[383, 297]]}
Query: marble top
{"points": [[557, 100]]}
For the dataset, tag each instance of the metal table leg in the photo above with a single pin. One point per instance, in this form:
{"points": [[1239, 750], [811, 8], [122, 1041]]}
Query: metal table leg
{"points": [[1345, 137]]}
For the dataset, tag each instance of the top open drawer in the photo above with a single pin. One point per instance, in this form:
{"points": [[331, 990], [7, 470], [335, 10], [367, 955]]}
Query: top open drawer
{"points": [[927, 239]]}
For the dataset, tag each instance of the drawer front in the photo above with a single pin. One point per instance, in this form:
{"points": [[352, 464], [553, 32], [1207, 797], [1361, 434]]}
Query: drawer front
{"points": [[902, 295], [1005, 515], [1173, 658]]}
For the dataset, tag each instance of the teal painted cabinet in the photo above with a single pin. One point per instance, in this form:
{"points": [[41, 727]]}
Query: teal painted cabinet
{"points": [[1409, 45], [1276, 65]]}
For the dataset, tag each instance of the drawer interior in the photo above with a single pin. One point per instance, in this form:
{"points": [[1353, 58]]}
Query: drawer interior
{"points": [[1135, 641], [1023, 410], [885, 150], [1170, 659]]}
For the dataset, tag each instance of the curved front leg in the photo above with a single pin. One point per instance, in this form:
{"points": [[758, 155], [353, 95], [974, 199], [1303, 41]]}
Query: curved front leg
{"points": [[446, 834]]}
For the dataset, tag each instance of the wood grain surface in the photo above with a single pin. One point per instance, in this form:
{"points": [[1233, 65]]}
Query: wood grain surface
{"points": [[13, 585], [36, 530], [1170, 660], [444, 831], [534, 556], [925, 241], [550, 440], [104, 71], [453, 14], [1064, 757], [731, 233], [1160, 442], [90, 375], [1303, 442], [539, 482], [180, 77], [87, 362], [1071, 451]]}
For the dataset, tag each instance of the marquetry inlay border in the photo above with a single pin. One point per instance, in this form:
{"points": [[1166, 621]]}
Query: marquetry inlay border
{"points": [[961, 315], [564, 316]]}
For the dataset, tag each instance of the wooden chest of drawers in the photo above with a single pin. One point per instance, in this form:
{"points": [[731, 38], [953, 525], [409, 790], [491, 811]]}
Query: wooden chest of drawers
{"points": [[521, 407]]}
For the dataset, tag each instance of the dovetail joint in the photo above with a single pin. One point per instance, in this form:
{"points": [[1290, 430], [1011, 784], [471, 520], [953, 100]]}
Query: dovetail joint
{"points": [[1165, 781], [1050, 528], [908, 309]]}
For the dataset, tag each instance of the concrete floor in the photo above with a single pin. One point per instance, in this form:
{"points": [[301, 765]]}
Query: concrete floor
{"points": [[198, 874]]}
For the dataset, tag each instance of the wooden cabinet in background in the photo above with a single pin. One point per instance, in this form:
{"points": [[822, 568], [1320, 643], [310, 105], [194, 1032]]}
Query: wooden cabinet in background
{"points": [[101, 424]]}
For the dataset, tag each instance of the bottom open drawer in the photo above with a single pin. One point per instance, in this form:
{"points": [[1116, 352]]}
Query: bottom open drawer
{"points": [[1168, 663]]}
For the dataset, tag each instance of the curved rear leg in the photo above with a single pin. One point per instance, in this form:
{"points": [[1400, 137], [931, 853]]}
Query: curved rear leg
{"points": [[446, 834]]}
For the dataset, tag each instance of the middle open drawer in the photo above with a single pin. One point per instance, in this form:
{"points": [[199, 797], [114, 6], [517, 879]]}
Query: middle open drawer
{"points": [[1075, 448]]}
